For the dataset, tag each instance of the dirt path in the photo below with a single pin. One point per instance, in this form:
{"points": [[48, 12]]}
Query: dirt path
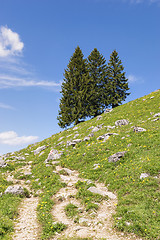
{"points": [[26, 225], [95, 225]]}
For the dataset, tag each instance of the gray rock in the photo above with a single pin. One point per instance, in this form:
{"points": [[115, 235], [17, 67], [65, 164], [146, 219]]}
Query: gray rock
{"points": [[99, 117], [156, 119], [41, 153], [139, 129], [152, 97], [83, 220], [68, 171], [144, 175], [95, 129], [103, 192], [73, 142], [28, 182], [116, 157], [110, 127], [91, 135], [16, 190], [60, 143], [60, 139], [86, 139], [27, 173], [76, 135], [53, 155], [20, 158], [121, 122], [75, 128], [39, 149], [90, 128], [106, 136], [3, 164], [108, 110], [55, 162], [96, 166], [157, 115]]}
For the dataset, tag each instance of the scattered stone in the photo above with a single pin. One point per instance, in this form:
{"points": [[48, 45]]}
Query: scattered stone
{"points": [[83, 220], [96, 166], [75, 128], [75, 136], [84, 154], [139, 129], [20, 158], [26, 154], [28, 182], [60, 143], [128, 223], [110, 127], [3, 164], [152, 97], [157, 115], [123, 138], [129, 145], [108, 110], [144, 175], [86, 139], [36, 180], [39, 192], [121, 122], [53, 155], [68, 171], [99, 117], [55, 162], [95, 129], [106, 136], [41, 153], [69, 135], [60, 139], [39, 149], [144, 99], [73, 142], [90, 128], [91, 135], [27, 173], [154, 120], [16, 189], [116, 157], [102, 192]]}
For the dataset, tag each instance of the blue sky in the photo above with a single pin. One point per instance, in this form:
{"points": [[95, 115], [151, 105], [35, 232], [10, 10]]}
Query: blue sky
{"points": [[37, 39]]}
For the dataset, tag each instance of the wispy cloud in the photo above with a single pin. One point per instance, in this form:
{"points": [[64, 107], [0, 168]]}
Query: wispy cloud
{"points": [[12, 138], [5, 106], [10, 43], [7, 81], [134, 79]]}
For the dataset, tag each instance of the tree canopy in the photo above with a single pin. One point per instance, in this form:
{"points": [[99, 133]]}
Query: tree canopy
{"points": [[90, 85]]}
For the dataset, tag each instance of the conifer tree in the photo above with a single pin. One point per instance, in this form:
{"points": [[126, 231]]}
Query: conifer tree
{"points": [[97, 71], [117, 82], [74, 104]]}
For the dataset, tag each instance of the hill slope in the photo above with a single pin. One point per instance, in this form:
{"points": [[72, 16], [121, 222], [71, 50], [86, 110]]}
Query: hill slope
{"points": [[134, 178]]}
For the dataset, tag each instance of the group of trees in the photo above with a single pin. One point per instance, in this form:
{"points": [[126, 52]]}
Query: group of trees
{"points": [[90, 86]]}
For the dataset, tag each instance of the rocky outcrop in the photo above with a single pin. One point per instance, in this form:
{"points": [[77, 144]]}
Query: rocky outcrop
{"points": [[116, 157], [39, 149], [121, 122], [16, 190]]}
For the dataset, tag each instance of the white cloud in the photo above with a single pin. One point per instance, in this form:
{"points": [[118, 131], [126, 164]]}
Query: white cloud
{"points": [[10, 44], [7, 81], [5, 106], [11, 138], [134, 79]]}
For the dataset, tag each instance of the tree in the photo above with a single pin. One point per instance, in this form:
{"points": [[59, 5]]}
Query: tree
{"points": [[117, 82], [97, 71], [74, 104]]}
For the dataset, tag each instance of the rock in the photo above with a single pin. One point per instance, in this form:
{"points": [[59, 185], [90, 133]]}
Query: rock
{"points": [[16, 190], [97, 128], [60, 139], [60, 143], [121, 122], [3, 164], [90, 128], [76, 135], [110, 127], [99, 117], [116, 157], [20, 158], [129, 145], [41, 153], [39, 149], [53, 155], [26, 154], [27, 173], [86, 139], [139, 129], [75, 128], [55, 162], [152, 97], [154, 120], [91, 135], [157, 115], [108, 110], [103, 192], [73, 142], [96, 166], [144, 175], [28, 182], [68, 171], [106, 136], [83, 220]]}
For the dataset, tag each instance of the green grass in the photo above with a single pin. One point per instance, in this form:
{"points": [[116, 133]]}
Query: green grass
{"points": [[71, 210], [138, 209]]}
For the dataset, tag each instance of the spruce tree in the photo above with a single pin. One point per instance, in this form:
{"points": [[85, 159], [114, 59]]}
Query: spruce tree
{"points": [[97, 71], [117, 82], [74, 104]]}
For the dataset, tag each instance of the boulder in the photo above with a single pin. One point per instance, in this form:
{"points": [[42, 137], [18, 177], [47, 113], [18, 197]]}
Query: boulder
{"points": [[53, 155], [3, 164], [144, 175], [101, 192], [39, 149], [16, 190], [116, 157], [121, 122], [108, 110], [99, 117], [73, 142], [139, 129], [86, 139], [156, 115]]}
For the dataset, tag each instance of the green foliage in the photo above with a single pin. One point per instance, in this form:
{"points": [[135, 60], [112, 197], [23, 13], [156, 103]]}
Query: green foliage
{"points": [[117, 82], [71, 210], [97, 71], [75, 91]]}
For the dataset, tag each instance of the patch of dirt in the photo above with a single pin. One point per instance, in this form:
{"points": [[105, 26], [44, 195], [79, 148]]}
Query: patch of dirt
{"points": [[26, 225], [95, 225]]}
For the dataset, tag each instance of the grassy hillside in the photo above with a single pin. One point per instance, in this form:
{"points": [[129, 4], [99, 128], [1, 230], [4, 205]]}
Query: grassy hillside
{"points": [[138, 208]]}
